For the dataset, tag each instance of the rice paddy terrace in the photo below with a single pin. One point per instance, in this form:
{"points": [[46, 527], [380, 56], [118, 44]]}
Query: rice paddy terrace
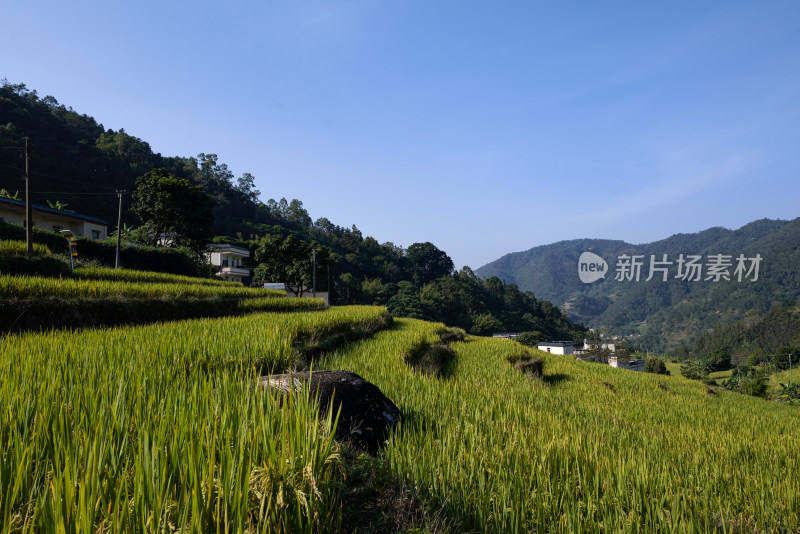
{"points": [[161, 427]]}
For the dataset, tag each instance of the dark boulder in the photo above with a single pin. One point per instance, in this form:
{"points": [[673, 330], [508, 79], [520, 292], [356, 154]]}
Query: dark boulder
{"points": [[367, 414]]}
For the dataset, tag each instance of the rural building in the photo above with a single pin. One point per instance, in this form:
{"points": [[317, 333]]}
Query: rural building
{"points": [[229, 260], [13, 211], [506, 335], [625, 363], [557, 347], [610, 346]]}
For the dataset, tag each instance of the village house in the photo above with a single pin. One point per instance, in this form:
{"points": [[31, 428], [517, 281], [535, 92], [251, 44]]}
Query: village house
{"points": [[13, 211], [626, 363], [229, 260], [558, 347]]}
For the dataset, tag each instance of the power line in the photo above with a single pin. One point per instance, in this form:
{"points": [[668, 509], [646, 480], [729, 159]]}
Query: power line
{"points": [[71, 194]]}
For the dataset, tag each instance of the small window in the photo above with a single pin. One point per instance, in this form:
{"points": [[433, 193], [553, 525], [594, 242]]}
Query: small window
{"points": [[95, 234]]}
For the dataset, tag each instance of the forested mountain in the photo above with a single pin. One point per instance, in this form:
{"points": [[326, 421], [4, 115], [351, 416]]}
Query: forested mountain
{"points": [[77, 162], [753, 335], [661, 314]]}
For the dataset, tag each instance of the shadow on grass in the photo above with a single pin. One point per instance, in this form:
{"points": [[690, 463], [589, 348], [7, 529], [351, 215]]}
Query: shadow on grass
{"points": [[555, 379]]}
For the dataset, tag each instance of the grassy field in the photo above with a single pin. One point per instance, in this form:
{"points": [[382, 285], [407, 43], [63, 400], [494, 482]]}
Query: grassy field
{"points": [[35, 287], [673, 368], [781, 377], [589, 448], [160, 428], [108, 297]]}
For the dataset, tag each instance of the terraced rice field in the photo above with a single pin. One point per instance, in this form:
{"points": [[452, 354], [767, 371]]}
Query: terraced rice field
{"points": [[162, 428], [589, 448]]}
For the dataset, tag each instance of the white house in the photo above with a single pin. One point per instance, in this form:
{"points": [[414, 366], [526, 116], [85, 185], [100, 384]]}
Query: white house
{"points": [[229, 260], [13, 211], [625, 363], [610, 346], [557, 347]]}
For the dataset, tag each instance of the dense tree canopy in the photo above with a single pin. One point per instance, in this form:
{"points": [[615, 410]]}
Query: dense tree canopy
{"points": [[174, 211]]}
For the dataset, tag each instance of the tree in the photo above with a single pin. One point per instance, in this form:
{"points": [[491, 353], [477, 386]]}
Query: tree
{"points": [[427, 263], [598, 349], [486, 324], [173, 211], [288, 260], [655, 365], [245, 185], [531, 339], [406, 302]]}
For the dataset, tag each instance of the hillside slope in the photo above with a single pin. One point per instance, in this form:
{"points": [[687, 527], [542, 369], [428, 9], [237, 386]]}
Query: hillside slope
{"points": [[171, 410], [663, 313], [587, 448]]}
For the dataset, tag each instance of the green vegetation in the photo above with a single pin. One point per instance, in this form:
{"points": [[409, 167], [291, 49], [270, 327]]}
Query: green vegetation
{"points": [[102, 296], [73, 151], [161, 427], [35, 287], [19, 248], [173, 210], [130, 275], [14, 259], [753, 335], [655, 365], [586, 448], [166, 260], [662, 315]]}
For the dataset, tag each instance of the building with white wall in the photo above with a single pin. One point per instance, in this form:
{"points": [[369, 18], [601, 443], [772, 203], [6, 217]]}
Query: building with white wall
{"points": [[557, 347], [13, 211], [229, 260]]}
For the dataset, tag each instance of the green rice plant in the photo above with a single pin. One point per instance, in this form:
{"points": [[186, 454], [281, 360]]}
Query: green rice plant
{"points": [[587, 448], [10, 247], [35, 288], [281, 304], [164, 428], [131, 275]]}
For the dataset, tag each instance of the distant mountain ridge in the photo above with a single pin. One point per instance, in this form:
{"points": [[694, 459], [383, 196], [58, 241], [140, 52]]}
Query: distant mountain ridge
{"points": [[662, 314]]}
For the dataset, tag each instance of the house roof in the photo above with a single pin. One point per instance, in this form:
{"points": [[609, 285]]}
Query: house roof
{"points": [[225, 245], [47, 209], [557, 344]]}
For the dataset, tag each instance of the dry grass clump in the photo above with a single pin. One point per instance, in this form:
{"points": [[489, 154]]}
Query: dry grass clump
{"points": [[528, 364], [434, 359]]}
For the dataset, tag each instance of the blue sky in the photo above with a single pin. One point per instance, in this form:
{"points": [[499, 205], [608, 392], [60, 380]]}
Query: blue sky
{"points": [[483, 127]]}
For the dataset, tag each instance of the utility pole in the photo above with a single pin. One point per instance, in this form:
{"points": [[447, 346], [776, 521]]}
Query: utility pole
{"points": [[28, 201], [119, 227], [314, 274]]}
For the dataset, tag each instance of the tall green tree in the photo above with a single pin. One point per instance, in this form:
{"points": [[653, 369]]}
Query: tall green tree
{"points": [[288, 260], [175, 212], [427, 263]]}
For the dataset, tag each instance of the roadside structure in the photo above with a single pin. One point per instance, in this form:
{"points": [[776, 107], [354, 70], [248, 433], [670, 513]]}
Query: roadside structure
{"points": [[13, 211]]}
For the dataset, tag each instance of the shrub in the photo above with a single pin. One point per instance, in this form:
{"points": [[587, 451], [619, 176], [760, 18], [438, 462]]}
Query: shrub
{"points": [[748, 380], [789, 393], [530, 339], [695, 370], [451, 335], [528, 364], [432, 359], [655, 365], [13, 260], [167, 260]]}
